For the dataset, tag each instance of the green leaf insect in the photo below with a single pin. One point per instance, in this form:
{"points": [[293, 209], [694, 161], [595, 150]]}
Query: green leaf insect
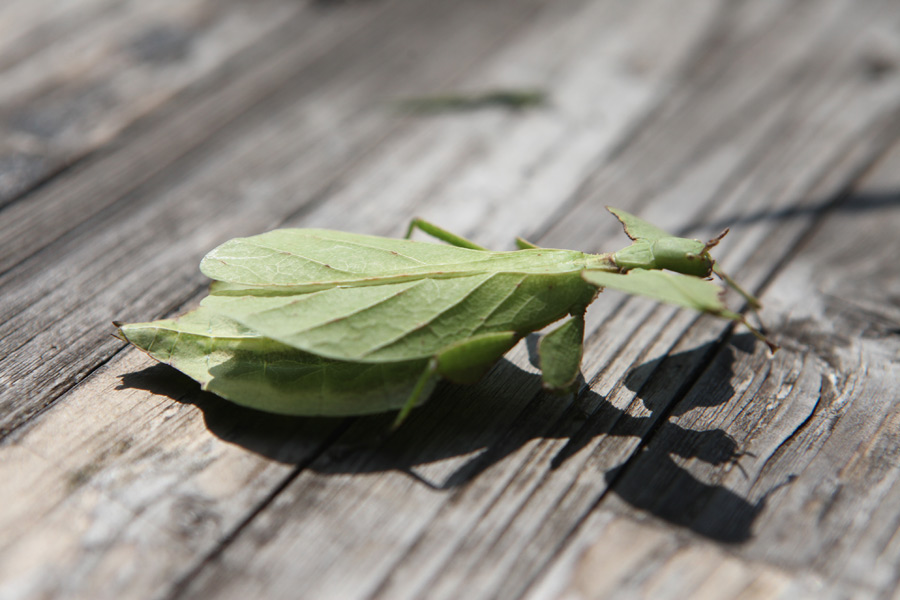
{"points": [[319, 322]]}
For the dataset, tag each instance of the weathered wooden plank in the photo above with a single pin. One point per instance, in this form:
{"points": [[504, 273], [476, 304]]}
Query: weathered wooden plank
{"points": [[90, 546], [498, 168], [143, 254], [816, 492], [491, 517], [76, 74], [27, 26], [638, 559], [165, 138], [101, 500], [839, 516], [493, 533]]}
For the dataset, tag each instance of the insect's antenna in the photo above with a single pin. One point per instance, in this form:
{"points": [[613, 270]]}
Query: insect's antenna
{"points": [[714, 242]]}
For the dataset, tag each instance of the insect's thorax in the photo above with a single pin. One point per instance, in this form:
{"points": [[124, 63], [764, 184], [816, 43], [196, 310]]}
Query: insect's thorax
{"points": [[681, 255]]}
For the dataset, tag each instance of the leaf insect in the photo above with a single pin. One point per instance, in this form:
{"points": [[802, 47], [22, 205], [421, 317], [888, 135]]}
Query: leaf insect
{"points": [[319, 322]]}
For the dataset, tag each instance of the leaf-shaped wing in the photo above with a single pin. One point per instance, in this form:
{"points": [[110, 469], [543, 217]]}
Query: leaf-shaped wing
{"points": [[299, 257], [637, 228], [248, 369], [410, 319], [664, 286], [304, 260]]}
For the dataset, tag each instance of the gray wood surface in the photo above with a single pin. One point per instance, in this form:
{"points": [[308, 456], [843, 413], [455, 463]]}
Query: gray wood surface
{"points": [[135, 136]]}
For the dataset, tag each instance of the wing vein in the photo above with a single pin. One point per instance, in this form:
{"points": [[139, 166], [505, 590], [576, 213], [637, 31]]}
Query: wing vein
{"points": [[368, 247], [430, 322], [362, 309], [503, 301], [257, 244]]}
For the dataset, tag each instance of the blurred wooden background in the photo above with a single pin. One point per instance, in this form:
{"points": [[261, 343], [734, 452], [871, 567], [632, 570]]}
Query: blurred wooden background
{"points": [[135, 136]]}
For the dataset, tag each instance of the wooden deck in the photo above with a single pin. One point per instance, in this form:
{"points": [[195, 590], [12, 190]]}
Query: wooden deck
{"points": [[136, 136]]}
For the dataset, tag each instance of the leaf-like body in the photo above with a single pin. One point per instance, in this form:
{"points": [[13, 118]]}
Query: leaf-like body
{"points": [[673, 288], [467, 361], [369, 299], [412, 319], [319, 322], [295, 261], [248, 369], [637, 228], [560, 353]]}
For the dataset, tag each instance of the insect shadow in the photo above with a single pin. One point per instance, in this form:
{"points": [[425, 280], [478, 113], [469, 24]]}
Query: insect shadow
{"points": [[853, 203], [463, 431]]}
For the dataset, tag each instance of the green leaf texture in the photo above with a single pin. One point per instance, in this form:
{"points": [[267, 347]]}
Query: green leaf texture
{"points": [[637, 228], [303, 260], [408, 320], [371, 299], [248, 369], [664, 286]]}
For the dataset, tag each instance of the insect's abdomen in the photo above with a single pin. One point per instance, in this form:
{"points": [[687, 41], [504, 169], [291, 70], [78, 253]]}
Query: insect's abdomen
{"points": [[503, 302], [531, 302], [260, 373]]}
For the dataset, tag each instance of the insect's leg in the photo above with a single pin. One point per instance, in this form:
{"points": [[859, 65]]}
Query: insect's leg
{"points": [[560, 354], [441, 234], [462, 362], [468, 360], [747, 296], [421, 385], [523, 244]]}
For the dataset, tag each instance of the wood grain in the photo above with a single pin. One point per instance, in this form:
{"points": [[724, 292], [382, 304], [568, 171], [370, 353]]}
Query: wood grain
{"points": [[520, 509], [690, 464], [70, 556], [168, 226], [812, 424], [163, 134], [76, 74]]}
